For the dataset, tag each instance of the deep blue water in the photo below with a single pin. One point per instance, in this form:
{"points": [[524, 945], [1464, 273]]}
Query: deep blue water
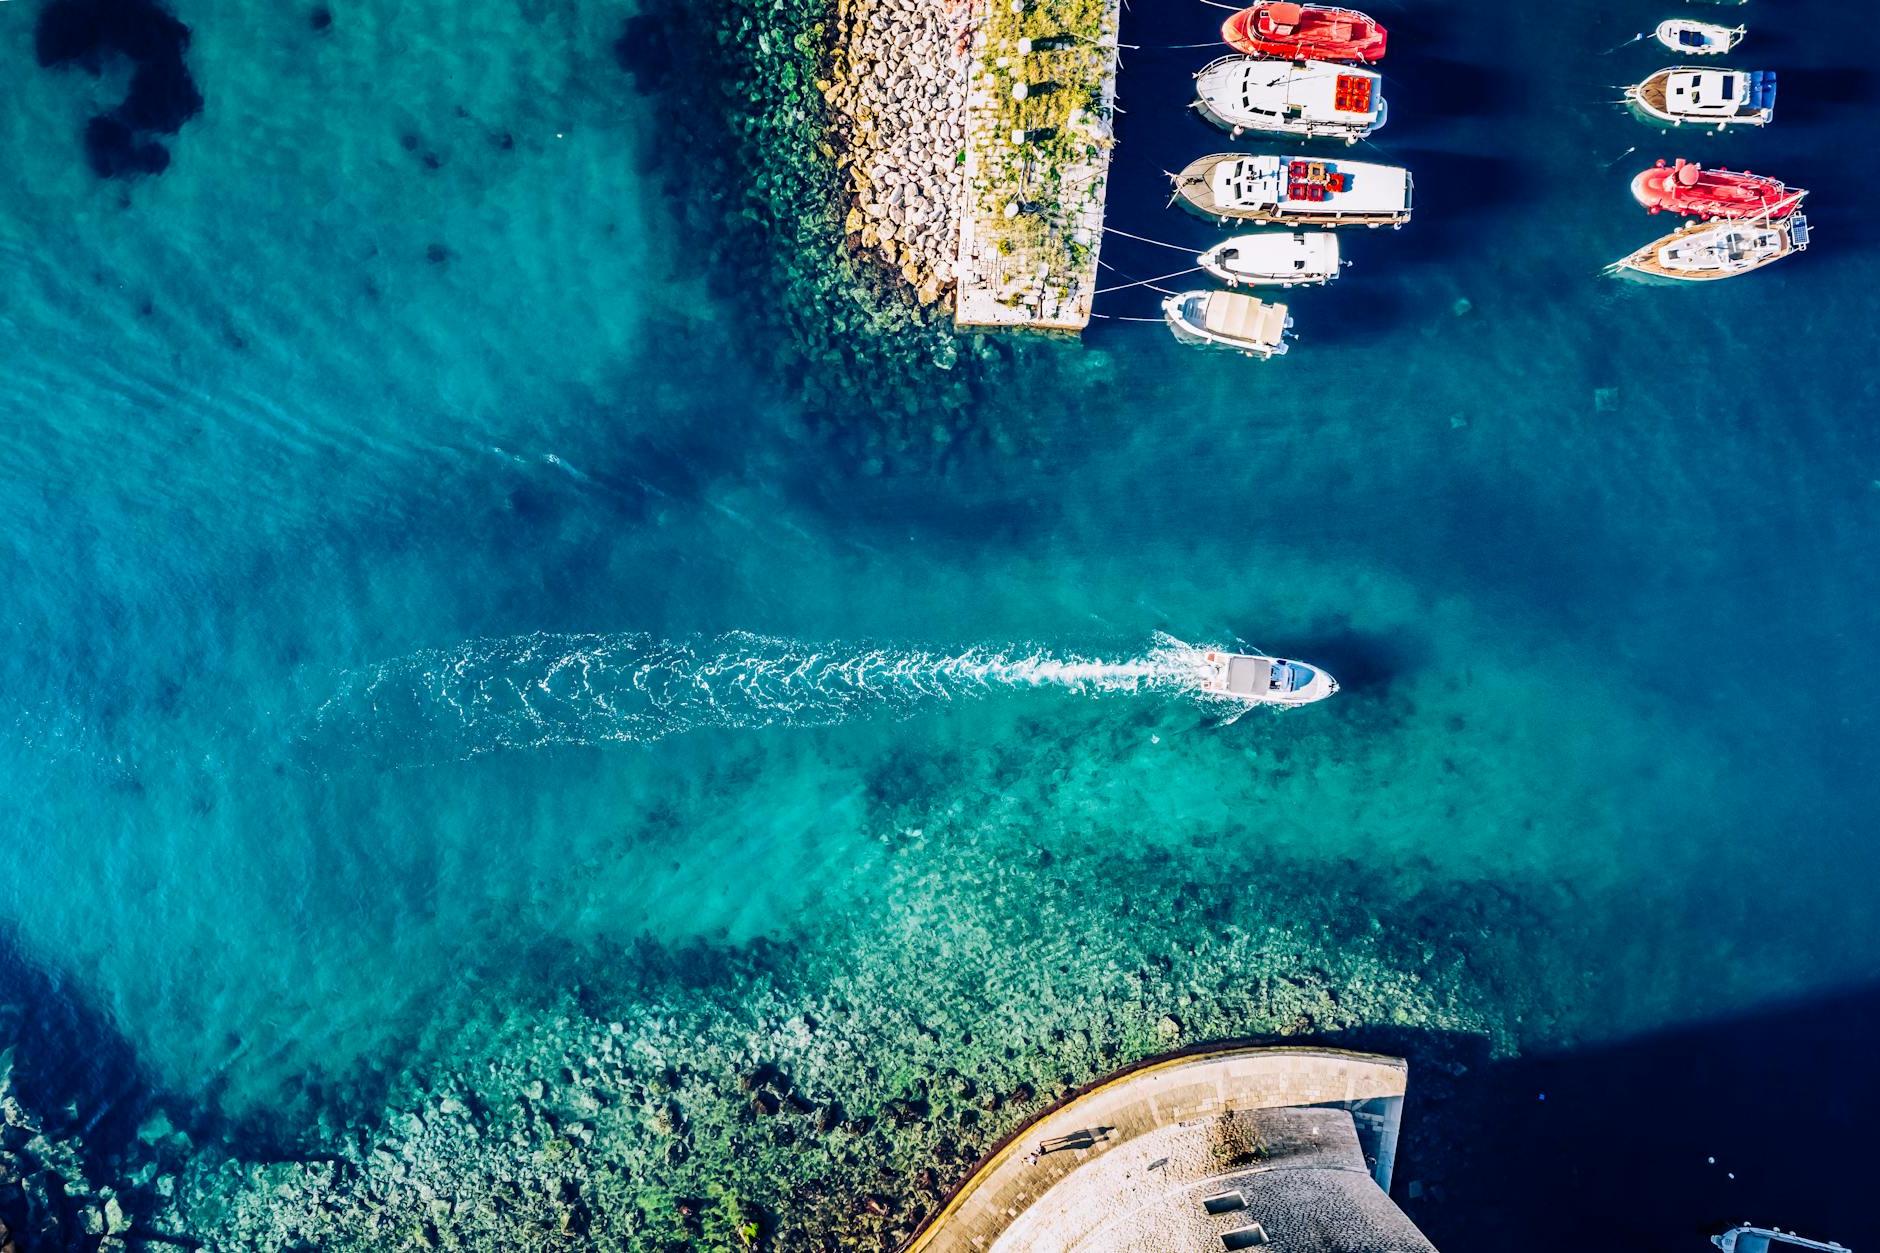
{"points": [[402, 361]]}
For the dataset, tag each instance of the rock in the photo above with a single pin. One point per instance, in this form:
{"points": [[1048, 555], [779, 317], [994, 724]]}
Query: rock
{"points": [[1169, 1027], [115, 1219]]}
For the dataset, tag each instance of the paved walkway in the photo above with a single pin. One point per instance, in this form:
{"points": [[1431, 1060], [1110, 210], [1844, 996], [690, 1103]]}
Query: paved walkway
{"points": [[1115, 1136]]}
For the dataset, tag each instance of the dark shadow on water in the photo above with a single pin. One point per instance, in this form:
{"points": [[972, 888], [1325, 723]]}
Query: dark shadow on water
{"points": [[1610, 1146], [1424, 90], [1824, 95]]}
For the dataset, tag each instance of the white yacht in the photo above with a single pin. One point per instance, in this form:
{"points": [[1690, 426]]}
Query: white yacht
{"points": [[1313, 99], [1748, 1239], [1719, 98], [1257, 328], [1265, 681], [1304, 191], [1702, 251], [1698, 39], [1275, 259]]}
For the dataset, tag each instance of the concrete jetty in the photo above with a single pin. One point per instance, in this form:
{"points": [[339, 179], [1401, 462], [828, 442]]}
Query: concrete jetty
{"points": [[1041, 93], [1223, 1148]]}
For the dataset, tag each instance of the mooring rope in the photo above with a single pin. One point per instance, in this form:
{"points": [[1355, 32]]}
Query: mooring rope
{"points": [[1148, 282], [1117, 317], [1111, 230]]}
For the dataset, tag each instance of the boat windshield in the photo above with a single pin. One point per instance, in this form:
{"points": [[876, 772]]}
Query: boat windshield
{"points": [[1302, 676], [1691, 38]]}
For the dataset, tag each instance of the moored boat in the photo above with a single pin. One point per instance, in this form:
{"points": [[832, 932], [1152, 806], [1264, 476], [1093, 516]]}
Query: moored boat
{"points": [[1747, 1239], [1702, 251], [1230, 186], [1698, 39], [1313, 99], [1689, 189], [1720, 98], [1260, 680], [1225, 319], [1274, 259], [1305, 32]]}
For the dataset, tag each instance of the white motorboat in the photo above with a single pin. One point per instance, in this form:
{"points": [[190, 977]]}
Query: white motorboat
{"points": [[1312, 99], [1720, 98], [1303, 191], [1699, 39], [1748, 1239], [1275, 259], [1702, 251], [1262, 680], [1257, 328]]}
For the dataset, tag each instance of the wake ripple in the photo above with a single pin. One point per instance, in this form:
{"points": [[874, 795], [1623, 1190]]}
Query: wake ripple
{"points": [[566, 690]]}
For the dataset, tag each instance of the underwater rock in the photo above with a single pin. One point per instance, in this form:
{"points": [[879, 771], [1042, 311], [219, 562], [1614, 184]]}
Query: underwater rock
{"points": [[162, 95]]}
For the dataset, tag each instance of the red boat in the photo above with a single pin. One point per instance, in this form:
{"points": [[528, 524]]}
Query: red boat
{"points": [[1690, 190], [1304, 32]]}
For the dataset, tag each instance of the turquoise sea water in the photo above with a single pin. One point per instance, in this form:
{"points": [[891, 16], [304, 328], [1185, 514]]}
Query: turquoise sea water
{"points": [[394, 424]]}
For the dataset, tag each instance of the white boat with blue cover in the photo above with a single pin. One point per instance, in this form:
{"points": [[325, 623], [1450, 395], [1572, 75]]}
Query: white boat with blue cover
{"points": [[1707, 97], [1699, 39], [1260, 680]]}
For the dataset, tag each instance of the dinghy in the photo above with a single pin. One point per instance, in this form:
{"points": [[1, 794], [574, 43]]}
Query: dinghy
{"points": [[1700, 252], [1719, 98], [1305, 32], [1688, 189], [1312, 99], [1274, 259], [1262, 680], [1305, 191], [1699, 39], [1257, 328]]}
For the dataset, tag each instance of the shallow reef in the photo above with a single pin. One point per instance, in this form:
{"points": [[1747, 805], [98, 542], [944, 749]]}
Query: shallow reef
{"points": [[162, 94]]}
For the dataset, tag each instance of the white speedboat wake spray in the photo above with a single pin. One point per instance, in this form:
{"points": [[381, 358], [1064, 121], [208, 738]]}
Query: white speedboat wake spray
{"points": [[582, 690]]}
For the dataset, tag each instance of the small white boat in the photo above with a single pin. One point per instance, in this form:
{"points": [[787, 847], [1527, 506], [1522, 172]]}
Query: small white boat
{"points": [[1264, 680], [1720, 98], [1699, 39], [1275, 259], [1702, 251], [1257, 328], [1312, 99], [1748, 1239]]}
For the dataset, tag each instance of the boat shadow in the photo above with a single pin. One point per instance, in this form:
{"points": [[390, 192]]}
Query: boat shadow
{"points": [[1435, 89], [1825, 94]]}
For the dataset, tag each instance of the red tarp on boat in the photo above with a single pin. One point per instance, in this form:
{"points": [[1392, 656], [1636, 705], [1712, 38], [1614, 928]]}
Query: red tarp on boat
{"points": [[1690, 190], [1304, 32]]}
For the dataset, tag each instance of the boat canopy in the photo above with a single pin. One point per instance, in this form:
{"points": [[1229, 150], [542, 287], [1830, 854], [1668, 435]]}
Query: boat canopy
{"points": [[1237, 317]]}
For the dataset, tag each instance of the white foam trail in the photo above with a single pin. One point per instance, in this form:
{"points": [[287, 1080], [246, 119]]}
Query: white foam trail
{"points": [[542, 690]]}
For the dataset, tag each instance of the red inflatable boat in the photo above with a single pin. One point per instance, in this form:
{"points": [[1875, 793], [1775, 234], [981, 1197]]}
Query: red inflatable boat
{"points": [[1304, 32], [1690, 190]]}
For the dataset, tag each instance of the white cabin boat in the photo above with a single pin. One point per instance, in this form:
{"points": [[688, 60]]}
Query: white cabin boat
{"points": [[1312, 99], [1263, 680], [1699, 39], [1702, 251], [1304, 191], [1275, 259], [1257, 328], [1748, 1239], [1720, 98]]}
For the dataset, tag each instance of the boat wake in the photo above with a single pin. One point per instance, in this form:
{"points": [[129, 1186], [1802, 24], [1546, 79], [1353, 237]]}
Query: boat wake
{"points": [[542, 691]]}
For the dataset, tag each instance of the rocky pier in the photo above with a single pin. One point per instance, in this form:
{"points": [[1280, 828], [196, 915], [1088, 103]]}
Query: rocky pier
{"points": [[974, 137]]}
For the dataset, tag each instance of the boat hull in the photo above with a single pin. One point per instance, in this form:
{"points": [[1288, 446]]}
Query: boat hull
{"points": [[1319, 34], [1791, 237], [1688, 189], [1194, 192], [1224, 675], [1301, 128]]}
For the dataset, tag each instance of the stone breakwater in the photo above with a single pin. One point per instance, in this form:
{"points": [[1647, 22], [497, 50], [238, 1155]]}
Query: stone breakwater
{"points": [[899, 100]]}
